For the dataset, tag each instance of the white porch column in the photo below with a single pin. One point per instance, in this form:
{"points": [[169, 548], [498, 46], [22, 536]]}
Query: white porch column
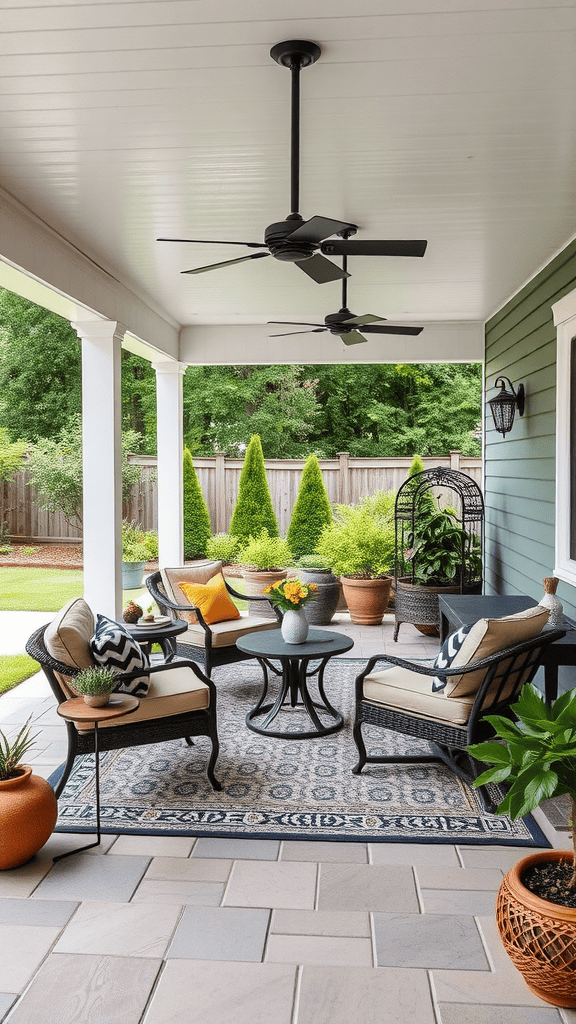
{"points": [[170, 448], [102, 463]]}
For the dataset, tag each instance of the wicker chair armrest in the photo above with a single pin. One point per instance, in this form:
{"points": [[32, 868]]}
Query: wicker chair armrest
{"points": [[167, 667], [246, 597]]}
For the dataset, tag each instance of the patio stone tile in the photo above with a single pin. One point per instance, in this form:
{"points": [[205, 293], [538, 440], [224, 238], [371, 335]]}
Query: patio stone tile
{"points": [[120, 929], [236, 849], [220, 992], [60, 842], [319, 949], [188, 869], [338, 995], [454, 901], [429, 940], [355, 853], [36, 912], [220, 933], [269, 884], [200, 894], [458, 1013], [367, 887], [459, 878], [18, 883], [499, 988], [441, 854], [23, 950], [501, 857], [92, 878], [6, 1001], [320, 922], [497, 955], [75, 989], [153, 846]]}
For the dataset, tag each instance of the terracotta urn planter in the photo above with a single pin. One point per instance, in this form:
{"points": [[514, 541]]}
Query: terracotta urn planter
{"points": [[539, 937], [367, 600], [28, 812], [256, 580]]}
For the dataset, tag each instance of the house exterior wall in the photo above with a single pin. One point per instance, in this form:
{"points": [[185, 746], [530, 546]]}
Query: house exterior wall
{"points": [[520, 468]]}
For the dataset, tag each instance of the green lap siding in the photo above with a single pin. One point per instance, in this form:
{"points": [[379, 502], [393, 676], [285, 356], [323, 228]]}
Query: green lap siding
{"points": [[520, 469]]}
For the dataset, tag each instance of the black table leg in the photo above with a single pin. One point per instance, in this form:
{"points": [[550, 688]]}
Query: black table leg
{"points": [[80, 849], [294, 685]]}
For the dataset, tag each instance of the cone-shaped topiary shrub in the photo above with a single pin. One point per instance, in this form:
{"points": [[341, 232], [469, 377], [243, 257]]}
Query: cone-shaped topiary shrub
{"points": [[311, 512], [197, 528], [253, 510]]}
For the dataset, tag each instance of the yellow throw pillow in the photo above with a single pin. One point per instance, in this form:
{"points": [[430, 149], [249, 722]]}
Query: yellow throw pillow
{"points": [[212, 599]]}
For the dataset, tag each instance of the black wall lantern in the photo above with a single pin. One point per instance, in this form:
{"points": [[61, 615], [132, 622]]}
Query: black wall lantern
{"points": [[505, 403]]}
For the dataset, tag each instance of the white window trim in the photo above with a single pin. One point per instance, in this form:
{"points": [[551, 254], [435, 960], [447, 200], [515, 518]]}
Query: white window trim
{"points": [[565, 321]]}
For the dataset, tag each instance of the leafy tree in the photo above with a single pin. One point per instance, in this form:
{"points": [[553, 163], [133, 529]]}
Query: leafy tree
{"points": [[11, 454], [55, 466], [253, 510], [311, 512], [197, 527]]}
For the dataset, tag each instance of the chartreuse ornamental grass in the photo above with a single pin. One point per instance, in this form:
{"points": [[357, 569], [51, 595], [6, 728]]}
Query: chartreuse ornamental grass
{"points": [[14, 669]]}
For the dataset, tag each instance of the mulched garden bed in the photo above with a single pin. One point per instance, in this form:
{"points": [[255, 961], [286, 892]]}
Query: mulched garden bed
{"points": [[49, 556]]}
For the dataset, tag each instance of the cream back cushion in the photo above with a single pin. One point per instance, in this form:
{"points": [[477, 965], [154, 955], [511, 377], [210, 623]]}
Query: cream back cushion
{"points": [[488, 636], [200, 572], [67, 639]]}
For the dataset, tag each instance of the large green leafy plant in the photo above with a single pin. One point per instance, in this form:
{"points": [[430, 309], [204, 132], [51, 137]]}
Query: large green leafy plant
{"points": [[537, 758], [357, 543]]}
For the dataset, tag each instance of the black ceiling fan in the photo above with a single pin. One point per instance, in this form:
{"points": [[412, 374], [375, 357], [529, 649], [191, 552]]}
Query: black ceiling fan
{"points": [[344, 323], [295, 240]]}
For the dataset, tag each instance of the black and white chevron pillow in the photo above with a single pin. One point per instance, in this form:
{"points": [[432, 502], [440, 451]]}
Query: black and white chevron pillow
{"points": [[447, 653], [113, 647]]}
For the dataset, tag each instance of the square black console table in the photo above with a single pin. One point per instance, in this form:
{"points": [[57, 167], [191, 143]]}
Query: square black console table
{"points": [[267, 646], [457, 609]]}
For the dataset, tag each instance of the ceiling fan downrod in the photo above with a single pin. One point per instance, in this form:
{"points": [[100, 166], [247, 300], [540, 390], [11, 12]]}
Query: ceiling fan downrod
{"points": [[295, 54]]}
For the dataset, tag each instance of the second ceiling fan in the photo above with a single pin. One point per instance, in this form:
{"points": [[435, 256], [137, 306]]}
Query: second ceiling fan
{"points": [[295, 240], [344, 324]]}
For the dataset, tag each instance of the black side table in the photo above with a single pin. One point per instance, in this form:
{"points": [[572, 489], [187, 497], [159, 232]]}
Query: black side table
{"points": [[163, 634], [268, 646]]}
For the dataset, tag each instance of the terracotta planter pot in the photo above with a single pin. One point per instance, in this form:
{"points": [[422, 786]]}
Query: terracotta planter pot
{"points": [[367, 600], [28, 812], [256, 581], [539, 937]]}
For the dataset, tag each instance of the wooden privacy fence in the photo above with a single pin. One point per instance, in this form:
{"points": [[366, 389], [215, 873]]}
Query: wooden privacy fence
{"points": [[346, 478]]}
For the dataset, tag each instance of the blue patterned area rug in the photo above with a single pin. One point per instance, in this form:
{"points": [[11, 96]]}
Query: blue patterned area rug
{"points": [[283, 789]]}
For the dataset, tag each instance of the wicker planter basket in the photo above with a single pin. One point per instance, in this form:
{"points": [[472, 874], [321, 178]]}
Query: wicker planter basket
{"points": [[419, 605], [539, 937]]}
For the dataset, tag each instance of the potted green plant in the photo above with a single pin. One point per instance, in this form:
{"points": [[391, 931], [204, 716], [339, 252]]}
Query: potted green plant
{"points": [[138, 547], [263, 560], [536, 906], [28, 808], [95, 684], [359, 547]]}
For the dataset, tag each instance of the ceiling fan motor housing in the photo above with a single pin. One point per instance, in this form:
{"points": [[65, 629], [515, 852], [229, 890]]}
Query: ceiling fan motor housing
{"points": [[337, 322], [276, 237]]}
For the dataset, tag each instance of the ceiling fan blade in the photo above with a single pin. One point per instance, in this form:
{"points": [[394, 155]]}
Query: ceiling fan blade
{"points": [[321, 270], [366, 319], [390, 329], [367, 247], [226, 263], [317, 330], [317, 228], [353, 338], [210, 241], [294, 323]]}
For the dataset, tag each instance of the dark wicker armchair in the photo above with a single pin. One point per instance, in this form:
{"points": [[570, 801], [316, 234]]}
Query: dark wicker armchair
{"points": [[129, 733], [406, 704], [212, 645]]}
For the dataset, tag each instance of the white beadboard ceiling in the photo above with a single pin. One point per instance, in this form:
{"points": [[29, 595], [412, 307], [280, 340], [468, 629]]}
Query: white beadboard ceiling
{"points": [[450, 120]]}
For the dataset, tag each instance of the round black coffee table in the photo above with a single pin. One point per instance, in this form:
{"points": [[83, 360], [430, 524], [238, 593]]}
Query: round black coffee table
{"points": [[162, 633], [268, 646]]}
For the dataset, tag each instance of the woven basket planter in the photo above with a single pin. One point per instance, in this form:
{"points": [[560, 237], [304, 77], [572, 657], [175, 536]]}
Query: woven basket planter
{"points": [[539, 937], [419, 605]]}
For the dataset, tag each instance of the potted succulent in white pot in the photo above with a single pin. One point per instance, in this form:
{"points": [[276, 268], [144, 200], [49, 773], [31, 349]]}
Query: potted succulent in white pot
{"points": [[95, 684], [263, 560], [28, 808], [536, 905]]}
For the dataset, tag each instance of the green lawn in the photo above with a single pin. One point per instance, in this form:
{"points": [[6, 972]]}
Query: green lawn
{"points": [[38, 590], [14, 669]]}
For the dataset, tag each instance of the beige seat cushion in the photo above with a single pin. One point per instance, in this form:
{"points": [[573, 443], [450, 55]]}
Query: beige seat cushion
{"points": [[488, 636], [403, 690], [225, 634], [171, 692]]}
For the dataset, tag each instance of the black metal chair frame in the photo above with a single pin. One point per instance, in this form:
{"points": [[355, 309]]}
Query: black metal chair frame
{"points": [[157, 730], [448, 741], [209, 655]]}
